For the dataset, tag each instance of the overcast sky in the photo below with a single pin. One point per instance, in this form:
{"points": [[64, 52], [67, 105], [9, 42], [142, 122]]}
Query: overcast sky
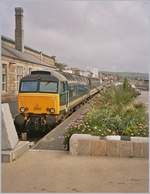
{"points": [[108, 35]]}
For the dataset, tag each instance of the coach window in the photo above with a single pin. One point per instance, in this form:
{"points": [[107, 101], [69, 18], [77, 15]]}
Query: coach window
{"points": [[4, 77], [62, 87], [19, 75]]}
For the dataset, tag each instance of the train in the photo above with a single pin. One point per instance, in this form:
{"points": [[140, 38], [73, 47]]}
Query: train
{"points": [[47, 97]]}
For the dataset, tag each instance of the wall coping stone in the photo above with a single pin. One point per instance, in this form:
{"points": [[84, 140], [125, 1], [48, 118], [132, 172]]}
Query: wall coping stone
{"points": [[119, 146]]}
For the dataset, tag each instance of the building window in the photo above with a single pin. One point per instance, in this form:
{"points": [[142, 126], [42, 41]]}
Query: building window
{"points": [[30, 69], [4, 77], [19, 75]]}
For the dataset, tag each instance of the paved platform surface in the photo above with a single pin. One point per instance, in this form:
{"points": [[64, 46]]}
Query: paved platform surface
{"points": [[57, 171], [54, 139]]}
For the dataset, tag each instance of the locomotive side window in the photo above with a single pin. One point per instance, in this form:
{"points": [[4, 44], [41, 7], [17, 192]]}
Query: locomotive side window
{"points": [[62, 87], [63, 93]]}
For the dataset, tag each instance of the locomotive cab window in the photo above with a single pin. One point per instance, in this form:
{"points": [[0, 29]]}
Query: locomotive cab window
{"points": [[28, 86], [36, 86], [47, 86]]}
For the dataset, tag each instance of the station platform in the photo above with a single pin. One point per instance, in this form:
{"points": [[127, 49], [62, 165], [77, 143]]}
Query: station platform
{"points": [[58, 171]]}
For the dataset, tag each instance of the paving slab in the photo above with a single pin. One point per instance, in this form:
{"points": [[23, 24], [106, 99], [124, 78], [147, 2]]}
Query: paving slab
{"points": [[58, 171]]}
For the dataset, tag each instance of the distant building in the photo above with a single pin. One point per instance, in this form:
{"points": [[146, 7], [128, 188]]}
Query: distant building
{"points": [[86, 73], [78, 71], [95, 72], [19, 60], [68, 70]]}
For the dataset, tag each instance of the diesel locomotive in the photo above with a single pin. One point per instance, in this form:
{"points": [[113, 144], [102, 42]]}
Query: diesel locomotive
{"points": [[46, 97]]}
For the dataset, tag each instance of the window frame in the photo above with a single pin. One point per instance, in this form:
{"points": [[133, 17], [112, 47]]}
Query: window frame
{"points": [[19, 76], [4, 73], [64, 87]]}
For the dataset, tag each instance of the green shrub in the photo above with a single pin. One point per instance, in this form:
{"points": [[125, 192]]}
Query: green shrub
{"points": [[113, 113], [120, 95]]}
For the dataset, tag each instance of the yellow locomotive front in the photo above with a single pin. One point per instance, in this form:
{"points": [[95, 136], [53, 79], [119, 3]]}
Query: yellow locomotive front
{"points": [[38, 102]]}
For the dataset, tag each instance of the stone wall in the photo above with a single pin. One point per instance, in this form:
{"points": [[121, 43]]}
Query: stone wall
{"points": [[11, 92], [113, 146]]}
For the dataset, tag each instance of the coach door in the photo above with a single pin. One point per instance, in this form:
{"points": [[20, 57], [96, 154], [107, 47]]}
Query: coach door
{"points": [[64, 97]]}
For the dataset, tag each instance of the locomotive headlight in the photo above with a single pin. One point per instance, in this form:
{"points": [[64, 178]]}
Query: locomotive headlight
{"points": [[22, 109], [51, 110]]}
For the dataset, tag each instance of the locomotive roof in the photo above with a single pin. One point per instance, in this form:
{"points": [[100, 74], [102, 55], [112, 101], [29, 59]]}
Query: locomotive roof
{"points": [[45, 75], [55, 76]]}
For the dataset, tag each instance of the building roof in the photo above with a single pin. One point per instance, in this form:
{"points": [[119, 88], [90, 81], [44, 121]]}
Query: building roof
{"points": [[25, 56], [15, 54], [4, 38]]}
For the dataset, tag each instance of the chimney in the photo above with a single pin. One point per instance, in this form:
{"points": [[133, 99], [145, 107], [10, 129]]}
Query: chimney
{"points": [[53, 57], [19, 32], [41, 56]]}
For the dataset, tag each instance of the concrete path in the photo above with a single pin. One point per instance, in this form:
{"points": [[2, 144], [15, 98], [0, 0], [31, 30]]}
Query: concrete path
{"points": [[57, 171], [54, 140]]}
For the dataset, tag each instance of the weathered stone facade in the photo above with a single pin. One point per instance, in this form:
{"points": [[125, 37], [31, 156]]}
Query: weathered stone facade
{"points": [[15, 65]]}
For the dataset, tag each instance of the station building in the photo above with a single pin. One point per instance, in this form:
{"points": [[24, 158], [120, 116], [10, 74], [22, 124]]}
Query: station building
{"points": [[18, 60]]}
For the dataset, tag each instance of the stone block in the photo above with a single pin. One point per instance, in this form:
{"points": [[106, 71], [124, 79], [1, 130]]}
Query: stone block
{"points": [[21, 147], [113, 137], [140, 139], [10, 155], [98, 147], [9, 134], [140, 149], [125, 149], [112, 148], [84, 147], [7, 156], [145, 150], [80, 144]]}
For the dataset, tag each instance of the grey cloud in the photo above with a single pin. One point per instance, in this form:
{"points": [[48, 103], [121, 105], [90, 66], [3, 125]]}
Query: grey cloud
{"points": [[110, 35]]}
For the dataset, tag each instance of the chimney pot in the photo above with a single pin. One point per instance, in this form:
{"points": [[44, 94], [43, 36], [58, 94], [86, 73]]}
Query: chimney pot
{"points": [[19, 11]]}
